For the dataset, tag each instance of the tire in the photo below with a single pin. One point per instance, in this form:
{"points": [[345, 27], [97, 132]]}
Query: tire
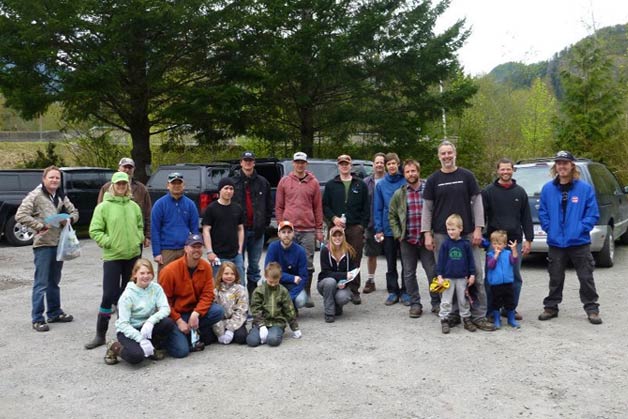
{"points": [[623, 239], [18, 234], [605, 258]]}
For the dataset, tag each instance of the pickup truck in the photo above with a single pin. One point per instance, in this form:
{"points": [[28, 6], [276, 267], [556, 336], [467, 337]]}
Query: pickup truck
{"points": [[80, 184]]}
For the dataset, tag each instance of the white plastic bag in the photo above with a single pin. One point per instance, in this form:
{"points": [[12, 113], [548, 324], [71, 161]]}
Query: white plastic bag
{"points": [[69, 247]]}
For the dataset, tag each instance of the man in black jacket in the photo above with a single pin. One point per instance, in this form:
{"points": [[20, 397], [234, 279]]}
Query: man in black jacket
{"points": [[252, 192], [506, 208], [347, 195]]}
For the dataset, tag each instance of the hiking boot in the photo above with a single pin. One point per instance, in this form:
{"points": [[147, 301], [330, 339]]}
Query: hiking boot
{"points": [[369, 287], [199, 346], [405, 299], [392, 299], [483, 324], [355, 299], [444, 326], [309, 303], [435, 310], [41, 327], [415, 312], [470, 326], [113, 351], [547, 314], [329, 318], [339, 309], [62, 318], [158, 355], [453, 319], [594, 318]]}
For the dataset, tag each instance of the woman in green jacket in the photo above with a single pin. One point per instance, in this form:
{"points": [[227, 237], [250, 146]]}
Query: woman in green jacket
{"points": [[117, 227]]}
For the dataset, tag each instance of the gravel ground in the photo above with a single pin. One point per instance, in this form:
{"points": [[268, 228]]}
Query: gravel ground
{"points": [[374, 361]]}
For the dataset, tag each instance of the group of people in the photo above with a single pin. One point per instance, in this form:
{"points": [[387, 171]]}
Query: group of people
{"points": [[445, 221]]}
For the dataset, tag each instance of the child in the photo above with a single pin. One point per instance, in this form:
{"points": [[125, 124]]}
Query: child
{"points": [[455, 262], [272, 309], [500, 275], [234, 299]]}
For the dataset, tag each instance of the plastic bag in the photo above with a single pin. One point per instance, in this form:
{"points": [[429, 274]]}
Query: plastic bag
{"points": [[69, 247]]}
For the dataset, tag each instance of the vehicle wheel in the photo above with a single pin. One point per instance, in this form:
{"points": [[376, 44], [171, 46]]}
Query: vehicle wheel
{"points": [[605, 258], [623, 239], [18, 234]]}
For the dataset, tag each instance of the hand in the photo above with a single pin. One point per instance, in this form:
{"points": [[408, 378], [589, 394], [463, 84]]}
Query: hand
{"points": [[297, 279], [379, 237], [342, 284], [471, 280], [146, 243], [147, 330], [527, 246], [193, 322], [263, 334], [297, 334], [440, 280], [512, 244], [183, 326], [211, 257], [159, 259], [319, 236], [147, 347], [428, 241], [338, 222], [477, 237]]}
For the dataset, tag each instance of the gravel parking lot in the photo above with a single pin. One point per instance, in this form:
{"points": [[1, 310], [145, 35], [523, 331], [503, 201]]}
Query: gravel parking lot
{"points": [[374, 361]]}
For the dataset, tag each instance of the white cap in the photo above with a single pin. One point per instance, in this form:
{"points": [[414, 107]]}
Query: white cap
{"points": [[299, 155]]}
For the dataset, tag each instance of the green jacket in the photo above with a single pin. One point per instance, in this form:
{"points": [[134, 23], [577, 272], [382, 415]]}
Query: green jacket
{"points": [[117, 226], [272, 306], [398, 210]]}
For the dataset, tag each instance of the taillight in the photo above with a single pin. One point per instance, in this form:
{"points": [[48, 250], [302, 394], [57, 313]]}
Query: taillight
{"points": [[205, 199]]}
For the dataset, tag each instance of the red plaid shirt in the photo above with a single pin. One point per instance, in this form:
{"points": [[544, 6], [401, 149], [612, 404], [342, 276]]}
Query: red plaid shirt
{"points": [[415, 206]]}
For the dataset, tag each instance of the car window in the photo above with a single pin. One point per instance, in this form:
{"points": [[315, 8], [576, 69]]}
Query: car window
{"points": [[323, 171], [603, 180], [159, 179], [215, 174], [84, 180], [532, 177]]}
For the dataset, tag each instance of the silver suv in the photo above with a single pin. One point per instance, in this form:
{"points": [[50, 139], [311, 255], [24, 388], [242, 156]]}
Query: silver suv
{"points": [[612, 200]]}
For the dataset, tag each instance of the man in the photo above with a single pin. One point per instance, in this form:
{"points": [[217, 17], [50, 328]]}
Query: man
{"points": [[173, 218], [139, 194], [189, 286], [506, 208], [299, 201], [384, 191], [568, 212], [346, 205], [293, 260], [223, 229], [252, 193], [373, 248], [404, 215], [454, 190]]}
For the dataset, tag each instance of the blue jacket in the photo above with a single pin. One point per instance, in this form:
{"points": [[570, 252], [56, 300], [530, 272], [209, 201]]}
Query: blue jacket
{"points": [[172, 221], [501, 271], [571, 227], [293, 261], [383, 194]]}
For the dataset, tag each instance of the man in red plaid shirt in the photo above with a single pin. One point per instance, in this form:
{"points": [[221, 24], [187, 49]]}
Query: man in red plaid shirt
{"points": [[404, 216]]}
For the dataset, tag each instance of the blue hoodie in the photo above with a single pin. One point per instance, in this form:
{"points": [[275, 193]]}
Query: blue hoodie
{"points": [[384, 191], [293, 261]]}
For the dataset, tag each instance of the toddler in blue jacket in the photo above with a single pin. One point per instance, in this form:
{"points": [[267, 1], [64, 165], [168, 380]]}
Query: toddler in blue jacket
{"points": [[500, 275]]}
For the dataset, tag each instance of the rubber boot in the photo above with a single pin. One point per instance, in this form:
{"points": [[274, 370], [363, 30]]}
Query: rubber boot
{"points": [[102, 324], [511, 319], [497, 320]]}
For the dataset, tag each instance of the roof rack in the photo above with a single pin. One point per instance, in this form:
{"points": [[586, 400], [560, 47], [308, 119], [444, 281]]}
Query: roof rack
{"points": [[545, 160]]}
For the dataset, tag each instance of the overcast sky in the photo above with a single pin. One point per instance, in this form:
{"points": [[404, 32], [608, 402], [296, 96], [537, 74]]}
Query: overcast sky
{"points": [[527, 31]]}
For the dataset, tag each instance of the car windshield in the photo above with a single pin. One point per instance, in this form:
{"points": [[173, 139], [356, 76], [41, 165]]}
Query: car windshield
{"points": [[532, 178]]}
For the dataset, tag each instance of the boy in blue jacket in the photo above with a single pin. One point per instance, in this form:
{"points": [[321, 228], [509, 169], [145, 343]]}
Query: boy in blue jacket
{"points": [[500, 262]]}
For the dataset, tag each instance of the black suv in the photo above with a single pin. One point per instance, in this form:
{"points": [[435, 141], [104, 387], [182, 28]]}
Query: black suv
{"points": [[612, 200]]}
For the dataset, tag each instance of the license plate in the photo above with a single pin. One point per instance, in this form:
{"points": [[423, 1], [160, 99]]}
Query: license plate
{"points": [[538, 231]]}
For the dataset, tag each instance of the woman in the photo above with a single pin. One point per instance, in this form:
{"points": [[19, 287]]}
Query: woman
{"points": [[234, 299], [118, 228], [337, 262], [143, 323], [44, 201]]}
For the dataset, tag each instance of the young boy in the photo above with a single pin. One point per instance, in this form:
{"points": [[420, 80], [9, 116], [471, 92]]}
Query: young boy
{"points": [[500, 275], [272, 309], [455, 262]]}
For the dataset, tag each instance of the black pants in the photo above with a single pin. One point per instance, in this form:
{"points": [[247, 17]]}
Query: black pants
{"points": [[115, 275], [503, 295], [239, 336], [132, 351], [391, 251]]}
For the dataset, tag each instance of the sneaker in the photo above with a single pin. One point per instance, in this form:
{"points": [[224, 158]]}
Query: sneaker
{"points": [[454, 320], [309, 303], [200, 346], [339, 310], [329, 318], [369, 287], [405, 299], [61, 318], [415, 312], [594, 318], [41, 327], [470, 326], [547, 314], [392, 299], [482, 324], [444, 326], [355, 299]]}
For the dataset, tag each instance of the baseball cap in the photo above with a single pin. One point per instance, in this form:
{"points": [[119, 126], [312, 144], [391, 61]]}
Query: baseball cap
{"points": [[335, 229], [285, 224], [125, 161], [174, 176], [299, 155], [194, 239], [119, 177], [344, 158], [248, 155], [564, 155]]}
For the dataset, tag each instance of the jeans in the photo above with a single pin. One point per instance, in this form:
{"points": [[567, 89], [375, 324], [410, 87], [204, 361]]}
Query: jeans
{"points": [[178, 344], [410, 256], [332, 295], [582, 261], [275, 336], [391, 251], [253, 248], [238, 260], [46, 284]]}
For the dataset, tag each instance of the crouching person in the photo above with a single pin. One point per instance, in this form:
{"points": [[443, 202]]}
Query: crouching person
{"points": [[272, 310], [189, 286], [143, 325], [234, 299]]}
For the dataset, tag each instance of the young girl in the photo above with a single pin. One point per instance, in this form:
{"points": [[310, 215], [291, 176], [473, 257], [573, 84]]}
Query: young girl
{"points": [[234, 299], [500, 275], [143, 318], [337, 260]]}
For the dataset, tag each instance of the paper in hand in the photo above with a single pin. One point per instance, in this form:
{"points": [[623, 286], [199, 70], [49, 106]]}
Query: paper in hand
{"points": [[352, 273]]}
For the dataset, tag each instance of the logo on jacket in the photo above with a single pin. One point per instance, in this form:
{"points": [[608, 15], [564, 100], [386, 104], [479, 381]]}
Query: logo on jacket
{"points": [[574, 199]]}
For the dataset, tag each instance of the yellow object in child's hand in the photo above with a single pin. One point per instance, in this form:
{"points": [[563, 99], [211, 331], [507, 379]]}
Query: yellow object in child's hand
{"points": [[436, 287]]}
